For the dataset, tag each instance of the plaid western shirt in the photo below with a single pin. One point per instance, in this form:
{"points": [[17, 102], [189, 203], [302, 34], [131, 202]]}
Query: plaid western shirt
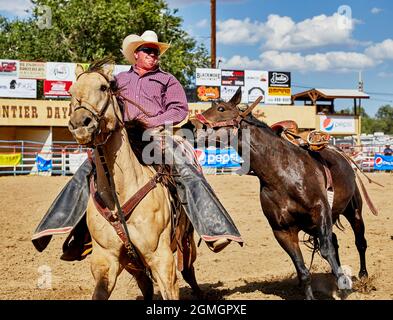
{"points": [[157, 92]]}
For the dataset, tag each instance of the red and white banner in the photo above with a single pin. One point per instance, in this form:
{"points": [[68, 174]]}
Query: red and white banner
{"points": [[57, 88], [9, 68]]}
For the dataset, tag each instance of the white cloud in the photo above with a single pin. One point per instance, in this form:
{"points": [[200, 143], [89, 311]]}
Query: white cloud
{"points": [[282, 33], [318, 31], [202, 23], [17, 7], [238, 62], [382, 50], [376, 10], [335, 61], [233, 31]]}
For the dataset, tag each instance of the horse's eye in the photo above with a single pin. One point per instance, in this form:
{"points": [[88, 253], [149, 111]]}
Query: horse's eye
{"points": [[104, 88], [220, 109]]}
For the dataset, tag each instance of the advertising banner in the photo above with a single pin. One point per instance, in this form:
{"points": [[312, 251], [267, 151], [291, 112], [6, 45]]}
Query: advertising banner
{"points": [[9, 68], [75, 160], [255, 85], [273, 86], [382, 162], [60, 71], [12, 159], [56, 88], [32, 70], [18, 88], [227, 93], [208, 93], [232, 77], [218, 158], [44, 163], [120, 68], [337, 124], [279, 91], [208, 77]]}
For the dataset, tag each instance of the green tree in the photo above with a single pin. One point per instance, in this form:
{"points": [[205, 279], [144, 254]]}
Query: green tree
{"points": [[86, 30], [383, 121], [385, 117]]}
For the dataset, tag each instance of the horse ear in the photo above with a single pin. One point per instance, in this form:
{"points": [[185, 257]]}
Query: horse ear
{"points": [[237, 97], [108, 69], [79, 70]]}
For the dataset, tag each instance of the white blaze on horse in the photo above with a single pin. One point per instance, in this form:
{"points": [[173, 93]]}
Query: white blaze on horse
{"points": [[96, 121]]}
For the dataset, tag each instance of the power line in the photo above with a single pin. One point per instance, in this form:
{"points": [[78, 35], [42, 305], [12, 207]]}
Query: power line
{"points": [[368, 92], [390, 101]]}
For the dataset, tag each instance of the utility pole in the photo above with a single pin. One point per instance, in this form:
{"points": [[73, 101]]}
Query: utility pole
{"points": [[213, 34], [360, 82]]}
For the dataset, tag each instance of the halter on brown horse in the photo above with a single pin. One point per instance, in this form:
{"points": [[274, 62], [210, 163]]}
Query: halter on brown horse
{"points": [[293, 185], [146, 242]]}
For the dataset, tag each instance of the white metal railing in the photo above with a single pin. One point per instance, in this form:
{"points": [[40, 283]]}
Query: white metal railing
{"points": [[59, 154]]}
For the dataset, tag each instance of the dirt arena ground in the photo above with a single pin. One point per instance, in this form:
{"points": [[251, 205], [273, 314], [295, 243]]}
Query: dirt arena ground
{"points": [[259, 270]]}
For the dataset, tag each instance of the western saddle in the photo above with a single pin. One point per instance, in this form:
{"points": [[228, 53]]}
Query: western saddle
{"points": [[313, 140]]}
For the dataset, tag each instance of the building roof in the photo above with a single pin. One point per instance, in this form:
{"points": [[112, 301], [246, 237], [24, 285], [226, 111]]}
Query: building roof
{"points": [[330, 94]]}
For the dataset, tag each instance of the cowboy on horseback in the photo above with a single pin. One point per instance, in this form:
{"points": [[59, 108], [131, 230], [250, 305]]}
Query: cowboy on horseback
{"points": [[157, 99]]}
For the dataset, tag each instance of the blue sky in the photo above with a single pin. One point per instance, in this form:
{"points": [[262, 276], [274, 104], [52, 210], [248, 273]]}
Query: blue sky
{"points": [[322, 43]]}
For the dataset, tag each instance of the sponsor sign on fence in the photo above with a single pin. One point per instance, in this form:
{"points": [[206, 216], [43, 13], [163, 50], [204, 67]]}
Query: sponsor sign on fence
{"points": [[18, 88], [32, 70], [218, 158], [11, 159], [9, 68], [382, 162]]}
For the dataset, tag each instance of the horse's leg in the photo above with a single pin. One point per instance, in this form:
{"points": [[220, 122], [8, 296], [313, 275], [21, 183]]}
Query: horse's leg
{"points": [[105, 268], [289, 241], [163, 268], [189, 257], [327, 248], [144, 282], [353, 213], [336, 246]]}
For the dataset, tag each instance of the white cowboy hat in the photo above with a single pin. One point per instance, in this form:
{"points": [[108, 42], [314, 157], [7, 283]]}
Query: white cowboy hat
{"points": [[133, 41]]}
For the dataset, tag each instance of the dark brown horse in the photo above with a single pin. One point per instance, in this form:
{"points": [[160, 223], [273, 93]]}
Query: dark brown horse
{"points": [[293, 190]]}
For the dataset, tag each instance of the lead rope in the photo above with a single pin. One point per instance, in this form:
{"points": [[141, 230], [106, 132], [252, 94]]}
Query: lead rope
{"points": [[130, 249]]}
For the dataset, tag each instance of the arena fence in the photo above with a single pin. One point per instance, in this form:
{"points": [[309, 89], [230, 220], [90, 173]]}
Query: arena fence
{"points": [[30, 157], [18, 157]]}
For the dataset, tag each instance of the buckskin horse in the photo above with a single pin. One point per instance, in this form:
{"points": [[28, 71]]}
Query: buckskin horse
{"points": [[140, 239], [293, 187]]}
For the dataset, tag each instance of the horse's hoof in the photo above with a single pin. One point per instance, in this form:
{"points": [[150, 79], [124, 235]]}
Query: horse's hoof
{"points": [[363, 274]]}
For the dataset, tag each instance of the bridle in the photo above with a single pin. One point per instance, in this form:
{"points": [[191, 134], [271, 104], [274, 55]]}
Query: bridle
{"points": [[234, 123], [98, 116]]}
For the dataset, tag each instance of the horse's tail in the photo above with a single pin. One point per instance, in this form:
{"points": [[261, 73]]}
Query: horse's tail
{"points": [[370, 204]]}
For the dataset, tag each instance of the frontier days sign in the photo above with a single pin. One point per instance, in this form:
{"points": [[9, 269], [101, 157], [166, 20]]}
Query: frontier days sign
{"points": [[34, 112]]}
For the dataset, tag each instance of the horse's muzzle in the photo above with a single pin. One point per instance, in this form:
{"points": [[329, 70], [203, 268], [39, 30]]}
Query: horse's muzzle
{"points": [[83, 126]]}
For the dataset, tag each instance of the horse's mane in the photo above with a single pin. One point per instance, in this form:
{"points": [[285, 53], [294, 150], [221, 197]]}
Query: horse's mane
{"points": [[98, 65], [250, 119]]}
